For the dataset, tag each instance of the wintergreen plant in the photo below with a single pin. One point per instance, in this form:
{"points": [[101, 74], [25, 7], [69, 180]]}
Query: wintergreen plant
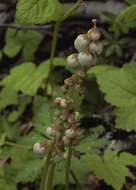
{"points": [[65, 134], [50, 148]]}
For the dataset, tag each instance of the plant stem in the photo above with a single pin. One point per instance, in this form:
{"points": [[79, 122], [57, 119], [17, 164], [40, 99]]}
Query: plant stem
{"points": [[50, 176], [76, 180], [53, 49], [71, 11], [45, 170], [68, 165], [17, 145]]}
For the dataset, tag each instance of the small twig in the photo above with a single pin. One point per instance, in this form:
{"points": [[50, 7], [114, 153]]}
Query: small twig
{"points": [[51, 175], [45, 170], [25, 27], [68, 165], [53, 49], [17, 145]]}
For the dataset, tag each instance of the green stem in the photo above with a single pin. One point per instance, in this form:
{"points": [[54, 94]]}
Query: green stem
{"points": [[68, 165], [45, 170], [76, 180], [71, 11], [50, 176], [17, 145], [53, 49]]}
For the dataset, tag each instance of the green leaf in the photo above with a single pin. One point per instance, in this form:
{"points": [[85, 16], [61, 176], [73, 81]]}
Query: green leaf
{"points": [[100, 69], [31, 138], [14, 115], [58, 61], [119, 87], [80, 169], [91, 144], [111, 168], [126, 117], [8, 96], [26, 40], [26, 77], [4, 185], [126, 16], [30, 172], [38, 12], [43, 118]]}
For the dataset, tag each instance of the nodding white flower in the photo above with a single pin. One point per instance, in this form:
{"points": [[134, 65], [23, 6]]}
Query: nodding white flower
{"points": [[57, 158], [39, 148], [70, 133], [94, 34], [96, 47], [72, 60], [85, 58], [52, 132], [81, 42], [66, 140], [58, 100], [63, 103]]}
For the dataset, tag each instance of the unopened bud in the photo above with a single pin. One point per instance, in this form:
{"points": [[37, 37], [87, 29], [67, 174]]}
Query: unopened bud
{"points": [[81, 42], [40, 148], [72, 60]]}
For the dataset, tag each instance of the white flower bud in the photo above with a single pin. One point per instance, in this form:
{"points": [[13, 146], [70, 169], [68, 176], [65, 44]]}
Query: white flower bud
{"points": [[94, 34], [58, 158], [96, 47], [81, 42], [39, 148], [85, 58], [66, 140], [72, 60], [63, 103], [70, 133], [49, 131], [52, 132]]}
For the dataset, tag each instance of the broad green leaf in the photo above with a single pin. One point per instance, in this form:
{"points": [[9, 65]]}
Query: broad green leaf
{"points": [[25, 40], [119, 87], [10, 131], [8, 96], [100, 69], [91, 144], [4, 185], [15, 114], [80, 169], [31, 138], [126, 16], [126, 118], [26, 77], [30, 172], [111, 168], [57, 61], [43, 118], [38, 12]]}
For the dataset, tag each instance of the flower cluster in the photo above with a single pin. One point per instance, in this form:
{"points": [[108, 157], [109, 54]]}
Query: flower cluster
{"points": [[88, 47], [66, 132]]}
